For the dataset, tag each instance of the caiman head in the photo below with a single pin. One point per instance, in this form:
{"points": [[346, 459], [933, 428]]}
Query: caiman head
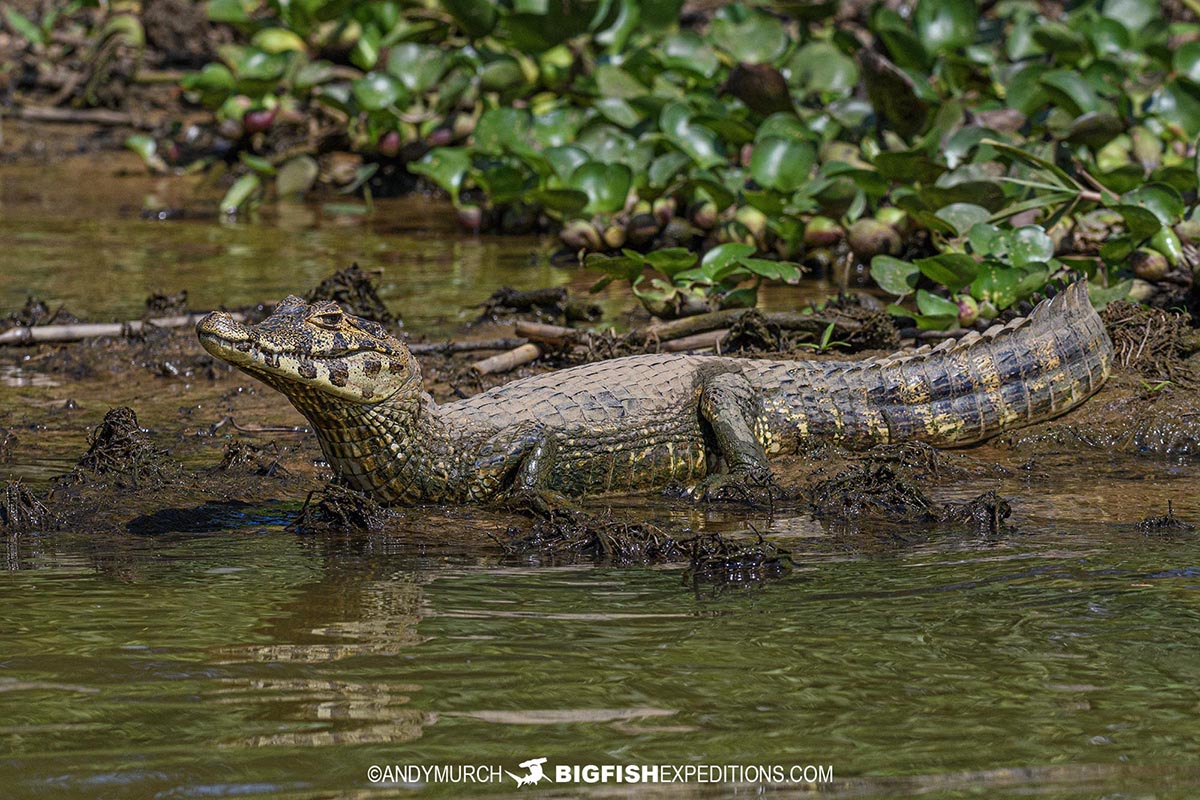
{"points": [[316, 354]]}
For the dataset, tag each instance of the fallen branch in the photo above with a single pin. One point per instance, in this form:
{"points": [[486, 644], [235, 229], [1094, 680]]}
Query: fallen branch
{"points": [[549, 334], [90, 330], [87, 116], [697, 341], [508, 361], [466, 347]]}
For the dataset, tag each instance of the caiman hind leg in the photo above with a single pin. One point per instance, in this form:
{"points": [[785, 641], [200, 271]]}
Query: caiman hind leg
{"points": [[731, 407], [517, 465]]}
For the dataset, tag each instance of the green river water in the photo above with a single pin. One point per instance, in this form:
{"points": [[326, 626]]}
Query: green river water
{"points": [[1061, 660]]}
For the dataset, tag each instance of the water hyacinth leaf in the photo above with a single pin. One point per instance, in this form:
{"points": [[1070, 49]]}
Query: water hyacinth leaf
{"points": [[1163, 200], [557, 127], [1186, 60], [671, 261], [908, 166], [535, 27], [946, 25], [665, 167], [782, 164], [312, 73], [771, 270], [376, 91], [501, 73], [500, 128], [566, 159], [563, 201], [784, 125], [445, 166], [612, 81], [419, 67], [986, 239], [242, 191], [893, 94], [1095, 129], [230, 12], [688, 52], [1101, 296], [996, 283], [987, 194], [895, 276], [1178, 102], [1029, 244], [617, 111], [606, 185], [934, 305], [214, 83], [718, 262], [278, 40], [700, 143], [477, 18], [1142, 223], [963, 215], [1133, 14], [503, 182], [296, 176], [952, 270], [821, 67], [1060, 178], [758, 39], [1166, 241], [1071, 90], [1067, 45]]}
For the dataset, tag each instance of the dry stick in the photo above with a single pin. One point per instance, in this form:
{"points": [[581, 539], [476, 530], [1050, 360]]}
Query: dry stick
{"points": [[787, 320], [88, 330], [508, 361], [550, 334], [91, 116], [697, 341], [465, 347]]}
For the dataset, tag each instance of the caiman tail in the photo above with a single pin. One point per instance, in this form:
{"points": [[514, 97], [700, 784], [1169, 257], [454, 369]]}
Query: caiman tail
{"points": [[960, 392]]}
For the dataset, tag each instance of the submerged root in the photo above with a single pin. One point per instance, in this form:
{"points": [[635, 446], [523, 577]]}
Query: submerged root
{"points": [[20, 510], [339, 509], [1164, 524], [250, 459]]}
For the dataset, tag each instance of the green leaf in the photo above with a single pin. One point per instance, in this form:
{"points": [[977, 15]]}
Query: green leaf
{"points": [[621, 267], [894, 276], [1071, 90], [1186, 60], [278, 40], [782, 164], [257, 163], [499, 129], [996, 283], [445, 166], [1133, 14], [671, 261], [564, 201], [758, 39], [419, 67], [606, 185], [1060, 177], [477, 18], [231, 12], [242, 192], [1164, 201], [771, 270], [537, 27], [376, 91], [933, 305], [698, 142], [24, 26], [908, 166], [821, 67], [566, 159], [617, 111], [296, 176], [1178, 102], [664, 168], [963, 215], [688, 52], [946, 25], [718, 263], [1142, 223], [1029, 244], [952, 270]]}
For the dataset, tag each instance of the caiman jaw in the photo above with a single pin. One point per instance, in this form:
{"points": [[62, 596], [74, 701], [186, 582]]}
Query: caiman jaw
{"points": [[307, 351]]}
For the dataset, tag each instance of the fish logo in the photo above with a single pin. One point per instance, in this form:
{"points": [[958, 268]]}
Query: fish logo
{"points": [[535, 774]]}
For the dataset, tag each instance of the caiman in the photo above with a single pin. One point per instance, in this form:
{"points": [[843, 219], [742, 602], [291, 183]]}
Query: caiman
{"points": [[636, 423]]}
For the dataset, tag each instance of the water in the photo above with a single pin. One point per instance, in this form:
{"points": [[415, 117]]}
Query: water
{"points": [[238, 659]]}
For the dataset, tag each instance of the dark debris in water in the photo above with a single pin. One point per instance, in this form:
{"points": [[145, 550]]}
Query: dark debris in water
{"points": [[8, 441], [36, 312], [161, 304], [120, 447], [338, 509], [1164, 524], [249, 459], [21, 510], [569, 536], [552, 304], [356, 291], [986, 514]]}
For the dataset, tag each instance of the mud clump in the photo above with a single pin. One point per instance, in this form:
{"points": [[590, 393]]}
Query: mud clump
{"points": [[753, 332], [1164, 524], [249, 459], [357, 293], [876, 492], [717, 561], [161, 304], [1152, 342], [21, 511], [338, 509], [120, 448], [36, 312]]}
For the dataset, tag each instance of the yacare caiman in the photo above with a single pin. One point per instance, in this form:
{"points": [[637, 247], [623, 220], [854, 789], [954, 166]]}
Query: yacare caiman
{"points": [[636, 423]]}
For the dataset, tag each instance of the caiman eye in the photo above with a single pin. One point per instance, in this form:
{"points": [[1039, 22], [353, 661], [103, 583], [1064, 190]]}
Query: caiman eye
{"points": [[328, 319]]}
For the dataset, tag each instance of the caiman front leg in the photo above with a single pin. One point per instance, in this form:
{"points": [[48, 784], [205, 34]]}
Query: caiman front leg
{"points": [[731, 406], [516, 465]]}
